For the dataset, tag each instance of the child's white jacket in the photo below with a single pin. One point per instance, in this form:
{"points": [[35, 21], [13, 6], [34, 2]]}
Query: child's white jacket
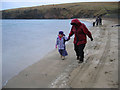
{"points": [[61, 42]]}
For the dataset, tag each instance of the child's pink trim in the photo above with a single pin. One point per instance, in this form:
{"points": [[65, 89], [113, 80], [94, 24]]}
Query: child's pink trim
{"points": [[59, 37]]}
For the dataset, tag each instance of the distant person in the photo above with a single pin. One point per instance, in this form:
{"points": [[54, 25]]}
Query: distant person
{"points": [[100, 20], [97, 21], [93, 24], [61, 44], [80, 31]]}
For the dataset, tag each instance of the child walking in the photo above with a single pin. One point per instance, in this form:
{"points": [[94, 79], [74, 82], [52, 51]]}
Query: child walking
{"points": [[61, 44]]}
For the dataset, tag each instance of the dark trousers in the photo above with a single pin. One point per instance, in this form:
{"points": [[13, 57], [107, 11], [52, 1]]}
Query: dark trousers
{"points": [[97, 23], [93, 24], [79, 50]]}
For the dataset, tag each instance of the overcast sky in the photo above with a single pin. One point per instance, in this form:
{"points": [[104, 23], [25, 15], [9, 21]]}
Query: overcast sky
{"points": [[10, 4]]}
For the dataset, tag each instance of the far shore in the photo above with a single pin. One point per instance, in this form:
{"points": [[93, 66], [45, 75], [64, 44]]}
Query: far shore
{"points": [[99, 70]]}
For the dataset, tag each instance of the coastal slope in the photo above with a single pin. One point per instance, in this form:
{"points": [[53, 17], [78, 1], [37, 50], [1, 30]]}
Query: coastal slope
{"points": [[64, 11]]}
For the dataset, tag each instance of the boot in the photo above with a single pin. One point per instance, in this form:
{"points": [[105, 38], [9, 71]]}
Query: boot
{"points": [[81, 60], [78, 57], [63, 57]]}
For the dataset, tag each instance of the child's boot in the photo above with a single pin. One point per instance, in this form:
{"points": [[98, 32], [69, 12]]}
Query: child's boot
{"points": [[63, 57]]}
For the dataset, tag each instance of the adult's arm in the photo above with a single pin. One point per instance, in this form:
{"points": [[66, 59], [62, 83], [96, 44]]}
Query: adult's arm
{"points": [[71, 33], [87, 32]]}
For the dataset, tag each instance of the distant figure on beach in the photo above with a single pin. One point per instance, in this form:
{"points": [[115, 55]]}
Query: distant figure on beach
{"points": [[93, 24], [98, 21], [61, 39], [80, 31]]}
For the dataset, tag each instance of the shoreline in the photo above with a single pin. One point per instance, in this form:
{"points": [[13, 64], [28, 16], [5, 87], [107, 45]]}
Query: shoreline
{"points": [[51, 72], [7, 74]]}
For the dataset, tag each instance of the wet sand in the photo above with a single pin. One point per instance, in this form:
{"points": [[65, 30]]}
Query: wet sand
{"points": [[99, 70]]}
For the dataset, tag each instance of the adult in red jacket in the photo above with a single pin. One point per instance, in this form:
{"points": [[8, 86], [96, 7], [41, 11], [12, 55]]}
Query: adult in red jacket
{"points": [[80, 31]]}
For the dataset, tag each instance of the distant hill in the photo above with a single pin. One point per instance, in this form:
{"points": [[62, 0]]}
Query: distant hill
{"points": [[64, 11]]}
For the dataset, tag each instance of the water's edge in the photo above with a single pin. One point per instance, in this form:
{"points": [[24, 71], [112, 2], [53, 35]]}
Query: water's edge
{"points": [[36, 61]]}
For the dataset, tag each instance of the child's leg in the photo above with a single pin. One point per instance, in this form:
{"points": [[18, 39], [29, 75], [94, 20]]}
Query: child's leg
{"points": [[60, 51], [63, 57]]}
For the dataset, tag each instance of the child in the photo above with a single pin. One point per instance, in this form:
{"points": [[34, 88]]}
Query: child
{"points": [[61, 44]]}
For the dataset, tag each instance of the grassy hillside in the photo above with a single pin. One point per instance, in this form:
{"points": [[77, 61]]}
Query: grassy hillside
{"points": [[63, 11]]}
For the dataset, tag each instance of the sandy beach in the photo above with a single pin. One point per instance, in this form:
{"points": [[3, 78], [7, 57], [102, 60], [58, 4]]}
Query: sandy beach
{"points": [[99, 70]]}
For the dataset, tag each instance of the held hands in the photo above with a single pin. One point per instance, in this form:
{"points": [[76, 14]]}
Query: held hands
{"points": [[68, 38]]}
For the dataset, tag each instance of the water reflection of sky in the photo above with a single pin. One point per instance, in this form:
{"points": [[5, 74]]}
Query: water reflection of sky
{"points": [[27, 41]]}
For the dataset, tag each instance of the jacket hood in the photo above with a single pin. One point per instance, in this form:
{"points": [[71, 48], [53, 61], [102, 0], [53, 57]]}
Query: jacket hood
{"points": [[76, 21]]}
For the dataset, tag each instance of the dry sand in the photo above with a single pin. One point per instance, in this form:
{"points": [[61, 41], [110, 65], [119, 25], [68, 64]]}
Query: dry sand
{"points": [[99, 70]]}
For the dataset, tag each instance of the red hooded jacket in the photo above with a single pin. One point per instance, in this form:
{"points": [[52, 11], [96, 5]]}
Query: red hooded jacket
{"points": [[80, 32]]}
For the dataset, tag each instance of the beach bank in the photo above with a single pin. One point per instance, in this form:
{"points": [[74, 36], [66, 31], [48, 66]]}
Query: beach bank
{"points": [[100, 69]]}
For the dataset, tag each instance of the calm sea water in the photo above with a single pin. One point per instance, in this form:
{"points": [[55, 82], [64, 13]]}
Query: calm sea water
{"points": [[25, 42]]}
